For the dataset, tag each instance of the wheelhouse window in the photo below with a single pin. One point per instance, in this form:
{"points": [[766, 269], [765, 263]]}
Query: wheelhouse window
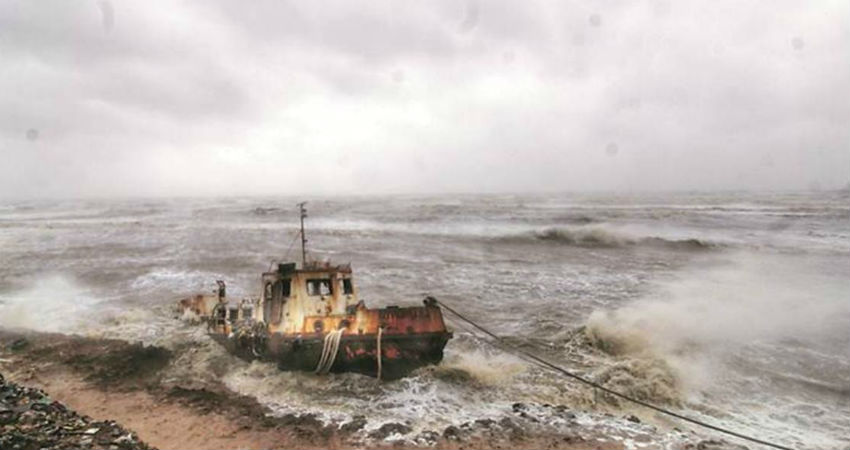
{"points": [[347, 288], [319, 286]]}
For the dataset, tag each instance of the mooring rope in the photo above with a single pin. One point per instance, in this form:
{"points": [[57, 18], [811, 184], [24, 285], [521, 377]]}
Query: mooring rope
{"points": [[335, 350], [325, 350], [322, 358], [380, 332], [596, 385], [330, 348]]}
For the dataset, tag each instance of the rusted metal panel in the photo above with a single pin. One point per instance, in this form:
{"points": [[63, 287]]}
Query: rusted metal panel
{"points": [[410, 320]]}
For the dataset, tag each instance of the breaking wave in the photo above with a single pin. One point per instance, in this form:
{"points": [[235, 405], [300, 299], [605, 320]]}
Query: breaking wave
{"points": [[479, 367], [598, 237], [627, 362], [647, 379]]}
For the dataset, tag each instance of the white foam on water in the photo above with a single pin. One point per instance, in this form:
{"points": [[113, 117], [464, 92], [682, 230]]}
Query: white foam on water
{"points": [[53, 303], [466, 387], [171, 280]]}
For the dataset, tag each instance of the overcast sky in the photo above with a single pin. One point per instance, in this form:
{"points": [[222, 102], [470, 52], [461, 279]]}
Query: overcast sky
{"points": [[102, 98]]}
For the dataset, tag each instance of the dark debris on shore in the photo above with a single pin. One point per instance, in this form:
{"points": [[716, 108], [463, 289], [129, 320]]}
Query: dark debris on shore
{"points": [[31, 420]]}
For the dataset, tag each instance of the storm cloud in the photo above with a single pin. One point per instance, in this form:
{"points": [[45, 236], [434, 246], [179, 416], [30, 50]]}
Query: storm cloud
{"points": [[108, 98]]}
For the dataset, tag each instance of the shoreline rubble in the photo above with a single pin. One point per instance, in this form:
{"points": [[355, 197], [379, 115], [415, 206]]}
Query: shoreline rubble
{"points": [[30, 419]]}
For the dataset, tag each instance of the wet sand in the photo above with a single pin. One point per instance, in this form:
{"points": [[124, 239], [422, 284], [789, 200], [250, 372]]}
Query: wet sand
{"points": [[117, 380]]}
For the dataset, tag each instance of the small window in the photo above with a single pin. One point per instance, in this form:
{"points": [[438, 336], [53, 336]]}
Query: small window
{"points": [[319, 287], [233, 315], [347, 288], [268, 292], [286, 287]]}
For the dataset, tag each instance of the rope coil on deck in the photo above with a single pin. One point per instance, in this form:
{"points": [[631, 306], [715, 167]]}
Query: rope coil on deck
{"points": [[330, 348], [579, 378]]}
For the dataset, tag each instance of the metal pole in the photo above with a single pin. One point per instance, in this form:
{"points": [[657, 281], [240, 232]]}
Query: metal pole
{"points": [[303, 237]]}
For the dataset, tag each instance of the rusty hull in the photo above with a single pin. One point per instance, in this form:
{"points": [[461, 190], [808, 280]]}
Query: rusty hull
{"points": [[412, 337], [393, 320], [298, 309]]}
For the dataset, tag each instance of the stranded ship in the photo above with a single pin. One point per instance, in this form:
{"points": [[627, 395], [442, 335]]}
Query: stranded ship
{"points": [[309, 318]]}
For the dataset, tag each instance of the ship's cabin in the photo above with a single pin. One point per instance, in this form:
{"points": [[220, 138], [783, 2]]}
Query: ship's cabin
{"points": [[290, 294]]}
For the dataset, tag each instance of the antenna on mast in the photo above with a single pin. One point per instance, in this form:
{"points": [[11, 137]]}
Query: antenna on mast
{"points": [[303, 212]]}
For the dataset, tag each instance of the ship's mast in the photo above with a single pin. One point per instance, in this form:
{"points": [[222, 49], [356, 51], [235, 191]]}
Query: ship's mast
{"points": [[303, 212]]}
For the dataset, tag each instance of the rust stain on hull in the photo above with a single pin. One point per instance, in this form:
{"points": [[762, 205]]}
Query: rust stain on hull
{"points": [[409, 320]]}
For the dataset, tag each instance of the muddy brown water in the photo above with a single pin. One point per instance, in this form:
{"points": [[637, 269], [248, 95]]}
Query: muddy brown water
{"points": [[730, 307]]}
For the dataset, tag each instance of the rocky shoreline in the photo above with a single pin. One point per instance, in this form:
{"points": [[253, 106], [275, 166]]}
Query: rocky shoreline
{"points": [[30, 419]]}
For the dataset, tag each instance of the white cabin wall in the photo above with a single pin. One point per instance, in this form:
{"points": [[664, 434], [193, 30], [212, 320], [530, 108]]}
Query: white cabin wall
{"points": [[300, 305]]}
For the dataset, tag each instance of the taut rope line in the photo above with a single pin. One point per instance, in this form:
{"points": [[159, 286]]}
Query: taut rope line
{"points": [[596, 385]]}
